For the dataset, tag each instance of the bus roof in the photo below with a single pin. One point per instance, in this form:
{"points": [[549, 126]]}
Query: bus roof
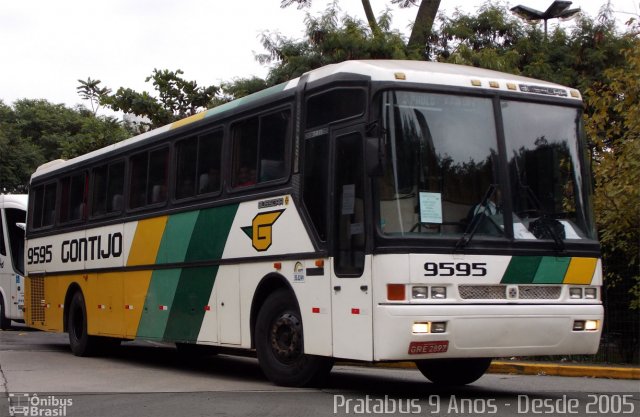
{"points": [[422, 72]]}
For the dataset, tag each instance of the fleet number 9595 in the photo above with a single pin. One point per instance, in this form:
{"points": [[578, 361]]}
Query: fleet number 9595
{"points": [[457, 269], [39, 255]]}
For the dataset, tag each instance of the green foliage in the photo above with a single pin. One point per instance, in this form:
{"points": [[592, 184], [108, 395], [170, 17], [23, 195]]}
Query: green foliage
{"points": [[35, 131], [176, 98], [614, 126], [90, 91], [329, 38]]}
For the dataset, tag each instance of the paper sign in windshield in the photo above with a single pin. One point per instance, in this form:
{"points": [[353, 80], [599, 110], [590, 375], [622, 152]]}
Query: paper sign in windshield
{"points": [[430, 207]]}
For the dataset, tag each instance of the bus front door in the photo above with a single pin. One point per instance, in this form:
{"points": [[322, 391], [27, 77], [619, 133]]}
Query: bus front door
{"points": [[351, 302]]}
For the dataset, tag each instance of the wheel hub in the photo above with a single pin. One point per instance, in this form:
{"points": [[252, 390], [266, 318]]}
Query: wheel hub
{"points": [[286, 338]]}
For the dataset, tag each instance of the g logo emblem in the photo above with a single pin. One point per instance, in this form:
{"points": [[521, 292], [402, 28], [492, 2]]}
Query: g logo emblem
{"points": [[261, 229]]}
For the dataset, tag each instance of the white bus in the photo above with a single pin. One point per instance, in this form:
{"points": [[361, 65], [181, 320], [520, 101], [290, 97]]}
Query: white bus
{"points": [[368, 210], [13, 215]]}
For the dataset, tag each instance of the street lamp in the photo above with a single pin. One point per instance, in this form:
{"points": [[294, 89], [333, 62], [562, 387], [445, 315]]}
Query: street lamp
{"points": [[557, 10]]}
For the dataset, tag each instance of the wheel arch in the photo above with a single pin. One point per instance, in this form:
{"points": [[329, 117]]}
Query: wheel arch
{"points": [[71, 290], [267, 286]]}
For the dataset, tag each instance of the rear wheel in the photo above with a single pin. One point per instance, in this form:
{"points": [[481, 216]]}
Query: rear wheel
{"points": [[81, 343], [5, 323], [279, 342], [454, 371]]}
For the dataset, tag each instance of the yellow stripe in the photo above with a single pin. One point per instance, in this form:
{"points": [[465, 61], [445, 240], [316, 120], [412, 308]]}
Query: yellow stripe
{"points": [[146, 241], [136, 285], [580, 271], [188, 120]]}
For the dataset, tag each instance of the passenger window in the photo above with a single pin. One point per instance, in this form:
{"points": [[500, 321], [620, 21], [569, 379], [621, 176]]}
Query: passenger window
{"points": [[73, 198], [148, 181], [259, 148], [209, 162], [115, 187], [198, 165], [108, 184], [44, 205], [186, 155]]}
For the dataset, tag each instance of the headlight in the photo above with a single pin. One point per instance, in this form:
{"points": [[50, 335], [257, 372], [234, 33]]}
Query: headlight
{"points": [[575, 293], [419, 292], [438, 292], [590, 293]]}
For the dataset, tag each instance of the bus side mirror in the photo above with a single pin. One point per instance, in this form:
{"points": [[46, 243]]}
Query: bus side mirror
{"points": [[374, 157]]}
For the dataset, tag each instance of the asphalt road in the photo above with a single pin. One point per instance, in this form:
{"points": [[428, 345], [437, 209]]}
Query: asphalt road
{"points": [[38, 371]]}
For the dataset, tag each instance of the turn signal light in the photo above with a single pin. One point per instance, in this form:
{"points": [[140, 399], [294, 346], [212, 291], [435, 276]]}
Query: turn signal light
{"points": [[396, 292]]}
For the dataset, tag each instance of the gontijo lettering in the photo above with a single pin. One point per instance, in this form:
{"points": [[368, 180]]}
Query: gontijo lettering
{"points": [[92, 248]]}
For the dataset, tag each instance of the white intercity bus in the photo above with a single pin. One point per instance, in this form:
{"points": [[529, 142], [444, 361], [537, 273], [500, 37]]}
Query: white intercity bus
{"points": [[368, 210], [13, 215]]}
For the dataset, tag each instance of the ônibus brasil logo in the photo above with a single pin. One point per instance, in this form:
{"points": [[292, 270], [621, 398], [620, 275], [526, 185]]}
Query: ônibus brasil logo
{"points": [[261, 230]]}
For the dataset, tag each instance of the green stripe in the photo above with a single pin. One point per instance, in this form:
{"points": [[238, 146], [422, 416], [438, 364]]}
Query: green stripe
{"points": [[208, 236], [161, 291], [551, 270], [210, 233], [176, 237], [521, 270], [187, 311]]}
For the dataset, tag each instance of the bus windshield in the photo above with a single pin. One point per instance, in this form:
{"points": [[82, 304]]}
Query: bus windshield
{"points": [[442, 178]]}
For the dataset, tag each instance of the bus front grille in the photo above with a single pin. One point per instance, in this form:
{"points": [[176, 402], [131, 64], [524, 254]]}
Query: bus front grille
{"points": [[37, 299], [499, 292]]}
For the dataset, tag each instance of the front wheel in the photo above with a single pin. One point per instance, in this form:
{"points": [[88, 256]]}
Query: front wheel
{"points": [[454, 371], [280, 344]]}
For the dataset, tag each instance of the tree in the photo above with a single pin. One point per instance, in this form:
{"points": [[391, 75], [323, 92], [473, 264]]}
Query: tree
{"points": [[615, 128], [35, 131], [89, 90], [421, 28], [176, 98], [329, 38]]}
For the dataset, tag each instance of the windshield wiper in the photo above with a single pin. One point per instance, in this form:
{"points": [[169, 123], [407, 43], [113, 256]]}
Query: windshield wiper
{"points": [[474, 223], [546, 222]]}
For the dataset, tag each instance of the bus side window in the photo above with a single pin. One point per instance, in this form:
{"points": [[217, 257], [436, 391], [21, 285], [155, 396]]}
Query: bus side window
{"points": [[16, 237], [274, 130], [245, 152], [259, 147], [73, 197], [158, 174], [3, 249], [209, 162], [186, 155], [49, 204]]}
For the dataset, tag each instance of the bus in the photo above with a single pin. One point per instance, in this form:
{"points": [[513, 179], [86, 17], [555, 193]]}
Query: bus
{"points": [[13, 215], [371, 211]]}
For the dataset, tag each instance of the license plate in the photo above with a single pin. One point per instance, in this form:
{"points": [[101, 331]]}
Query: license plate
{"points": [[421, 348]]}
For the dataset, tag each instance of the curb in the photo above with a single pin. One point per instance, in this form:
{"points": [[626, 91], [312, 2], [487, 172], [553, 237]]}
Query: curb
{"points": [[538, 368]]}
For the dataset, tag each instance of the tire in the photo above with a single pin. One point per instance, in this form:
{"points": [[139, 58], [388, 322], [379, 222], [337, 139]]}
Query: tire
{"points": [[81, 343], [454, 371], [5, 323], [279, 341]]}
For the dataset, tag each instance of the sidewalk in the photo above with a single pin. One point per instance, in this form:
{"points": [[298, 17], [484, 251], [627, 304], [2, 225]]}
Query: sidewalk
{"points": [[548, 368]]}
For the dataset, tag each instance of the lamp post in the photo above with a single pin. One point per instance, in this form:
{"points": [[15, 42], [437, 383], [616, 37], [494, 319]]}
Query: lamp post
{"points": [[558, 10]]}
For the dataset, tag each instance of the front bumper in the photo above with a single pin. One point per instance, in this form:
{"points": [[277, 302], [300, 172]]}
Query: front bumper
{"points": [[484, 331]]}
